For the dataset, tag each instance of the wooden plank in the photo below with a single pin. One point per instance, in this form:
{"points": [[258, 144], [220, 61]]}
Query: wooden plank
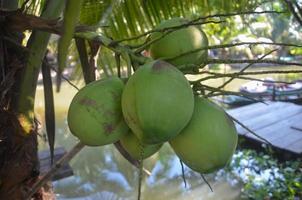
{"points": [[272, 109], [269, 137], [245, 117], [254, 110], [289, 134], [45, 153], [287, 141], [64, 173], [45, 163], [296, 147], [269, 118], [278, 122], [237, 111], [278, 130], [283, 139], [297, 125]]}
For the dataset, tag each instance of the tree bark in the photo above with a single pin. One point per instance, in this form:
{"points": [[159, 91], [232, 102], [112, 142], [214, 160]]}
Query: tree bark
{"points": [[19, 164], [18, 154]]}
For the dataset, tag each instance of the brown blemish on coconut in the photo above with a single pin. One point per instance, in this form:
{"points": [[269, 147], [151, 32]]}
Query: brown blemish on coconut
{"points": [[88, 102], [115, 95], [160, 65], [109, 128], [110, 113]]}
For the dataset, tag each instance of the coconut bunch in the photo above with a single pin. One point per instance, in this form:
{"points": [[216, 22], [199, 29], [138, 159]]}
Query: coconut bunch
{"points": [[157, 105]]}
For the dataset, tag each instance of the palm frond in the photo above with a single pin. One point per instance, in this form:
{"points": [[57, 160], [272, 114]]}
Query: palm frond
{"points": [[70, 20], [129, 18], [145, 14], [34, 7], [49, 107], [132, 17], [92, 11]]}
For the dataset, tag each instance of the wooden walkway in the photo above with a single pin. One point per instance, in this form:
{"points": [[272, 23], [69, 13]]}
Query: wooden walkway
{"points": [[45, 164], [278, 122]]}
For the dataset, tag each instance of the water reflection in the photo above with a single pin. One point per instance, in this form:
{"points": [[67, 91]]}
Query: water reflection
{"points": [[102, 173]]}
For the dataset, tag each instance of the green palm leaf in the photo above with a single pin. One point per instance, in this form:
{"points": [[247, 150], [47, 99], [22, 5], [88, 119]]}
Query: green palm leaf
{"points": [[133, 17]]}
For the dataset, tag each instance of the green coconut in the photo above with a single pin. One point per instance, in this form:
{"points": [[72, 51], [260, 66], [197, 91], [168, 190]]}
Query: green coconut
{"points": [[177, 47], [208, 141], [95, 114], [157, 102], [136, 149]]}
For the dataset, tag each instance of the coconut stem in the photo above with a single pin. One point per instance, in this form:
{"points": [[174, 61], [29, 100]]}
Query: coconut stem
{"points": [[117, 57], [205, 180], [140, 175], [183, 173]]}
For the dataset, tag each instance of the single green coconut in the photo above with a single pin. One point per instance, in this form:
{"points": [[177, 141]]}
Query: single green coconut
{"points": [[157, 102], [95, 113], [137, 149], [179, 47], [208, 141]]}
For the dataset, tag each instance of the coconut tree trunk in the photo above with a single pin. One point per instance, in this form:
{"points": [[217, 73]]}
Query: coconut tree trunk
{"points": [[18, 154], [19, 69], [19, 166]]}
